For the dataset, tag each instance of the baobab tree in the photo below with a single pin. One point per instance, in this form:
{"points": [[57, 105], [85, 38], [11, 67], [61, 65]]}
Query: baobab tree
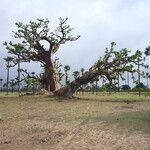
{"points": [[109, 65], [33, 40]]}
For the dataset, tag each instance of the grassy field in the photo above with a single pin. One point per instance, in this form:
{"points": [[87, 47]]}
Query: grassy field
{"points": [[102, 122]]}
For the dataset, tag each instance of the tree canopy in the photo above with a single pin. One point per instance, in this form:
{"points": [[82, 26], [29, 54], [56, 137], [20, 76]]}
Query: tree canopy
{"points": [[31, 35]]}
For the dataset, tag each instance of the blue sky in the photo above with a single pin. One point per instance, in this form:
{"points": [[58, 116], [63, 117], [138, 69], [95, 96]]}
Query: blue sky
{"points": [[97, 21]]}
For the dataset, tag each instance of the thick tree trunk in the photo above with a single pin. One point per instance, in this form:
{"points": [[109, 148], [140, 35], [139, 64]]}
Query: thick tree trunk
{"points": [[51, 82], [50, 79], [70, 89]]}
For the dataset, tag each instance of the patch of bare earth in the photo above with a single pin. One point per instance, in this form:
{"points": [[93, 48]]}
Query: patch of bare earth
{"points": [[37, 124]]}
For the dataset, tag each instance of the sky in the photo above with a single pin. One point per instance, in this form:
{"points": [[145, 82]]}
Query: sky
{"points": [[99, 22]]}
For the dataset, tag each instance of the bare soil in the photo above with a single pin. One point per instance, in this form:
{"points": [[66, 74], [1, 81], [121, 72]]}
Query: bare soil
{"points": [[47, 123]]}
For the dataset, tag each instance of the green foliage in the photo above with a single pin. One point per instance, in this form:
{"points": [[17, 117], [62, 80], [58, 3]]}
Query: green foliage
{"points": [[9, 61], [147, 51], [140, 85], [66, 68], [133, 121], [76, 74], [125, 87], [30, 36], [115, 62], [30, 81]]}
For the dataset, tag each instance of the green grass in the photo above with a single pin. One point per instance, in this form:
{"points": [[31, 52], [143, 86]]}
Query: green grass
{"points": [[121, 96], [10, 94], [131, 121], [137, 121], [100, 96]]}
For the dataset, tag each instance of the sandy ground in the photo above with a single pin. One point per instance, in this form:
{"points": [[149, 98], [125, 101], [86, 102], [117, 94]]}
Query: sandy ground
{"points": [[37, 123]]}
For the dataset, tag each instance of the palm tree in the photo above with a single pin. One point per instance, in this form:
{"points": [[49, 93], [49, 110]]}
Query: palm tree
{"points": [[76, 74], [82, 71], [8, 60], [19, 70], [147, 53], [66, 69], [139, 76]]}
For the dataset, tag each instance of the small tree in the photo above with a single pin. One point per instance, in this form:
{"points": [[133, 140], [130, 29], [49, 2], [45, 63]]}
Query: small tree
{"points": [[31, 79], [31, 82], [125, 87], [140, 86]]}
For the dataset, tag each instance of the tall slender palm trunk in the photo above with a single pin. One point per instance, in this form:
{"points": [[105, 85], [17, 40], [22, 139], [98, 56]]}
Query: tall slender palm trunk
{"points": [[7, 77]]}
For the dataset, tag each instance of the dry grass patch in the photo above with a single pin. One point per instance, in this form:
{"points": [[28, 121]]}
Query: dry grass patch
{"points": [[38, 122]]}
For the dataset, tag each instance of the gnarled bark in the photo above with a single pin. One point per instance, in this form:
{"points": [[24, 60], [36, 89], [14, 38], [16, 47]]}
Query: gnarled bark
{"points": [[52, 83], [70, 89], [50, 79]]}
